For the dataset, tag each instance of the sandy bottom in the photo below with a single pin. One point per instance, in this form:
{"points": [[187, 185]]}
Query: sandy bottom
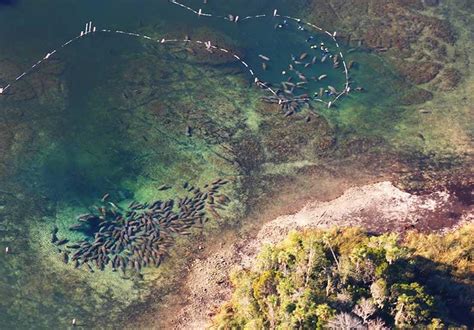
{"points": [[377, 207]]}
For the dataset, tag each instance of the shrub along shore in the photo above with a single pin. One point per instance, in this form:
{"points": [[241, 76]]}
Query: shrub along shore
{"points": [[348, 278]]}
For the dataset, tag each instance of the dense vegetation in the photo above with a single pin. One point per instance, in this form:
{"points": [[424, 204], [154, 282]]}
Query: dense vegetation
{"points": [[350, 279]]}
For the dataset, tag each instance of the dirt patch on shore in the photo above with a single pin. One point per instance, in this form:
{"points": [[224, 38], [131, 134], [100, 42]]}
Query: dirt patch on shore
{"points": [[377, 207]]}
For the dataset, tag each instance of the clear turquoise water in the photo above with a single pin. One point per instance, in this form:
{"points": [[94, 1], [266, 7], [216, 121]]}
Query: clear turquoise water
{"points": [[84, 139]]}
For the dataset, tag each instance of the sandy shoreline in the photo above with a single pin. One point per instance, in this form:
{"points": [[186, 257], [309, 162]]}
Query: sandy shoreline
{"points": [[207, 284]]}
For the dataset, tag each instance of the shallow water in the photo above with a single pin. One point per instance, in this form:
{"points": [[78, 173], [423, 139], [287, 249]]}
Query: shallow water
{"points": [[108, 114]]}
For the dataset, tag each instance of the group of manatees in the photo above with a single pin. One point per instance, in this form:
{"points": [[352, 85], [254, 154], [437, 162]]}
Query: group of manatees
{"points": [[294, 91], [141, 234], [299, 73], [286, 94]]}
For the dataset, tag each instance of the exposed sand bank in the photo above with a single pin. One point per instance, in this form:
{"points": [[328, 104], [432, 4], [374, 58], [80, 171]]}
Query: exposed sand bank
{"points": [[377, 207]]}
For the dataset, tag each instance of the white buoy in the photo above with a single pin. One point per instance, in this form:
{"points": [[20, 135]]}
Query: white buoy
{"points": [[74, 322], [236, 19], [87, 28], [90, 26], [329, 104], [94, 29], [1, 90], [47, 56], [275, 12], [7, 249], [163, 41], [82, 33], [334, 34], [200, 12]]}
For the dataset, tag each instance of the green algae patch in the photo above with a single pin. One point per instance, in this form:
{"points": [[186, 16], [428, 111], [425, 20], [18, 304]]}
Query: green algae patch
{"points": [[441, 126], [96, 289], [374, 111], [136, 151], [285, 168]]}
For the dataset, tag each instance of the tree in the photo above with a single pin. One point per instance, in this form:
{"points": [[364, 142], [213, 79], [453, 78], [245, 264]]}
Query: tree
{"points": [[379, 292], [377, 324], [298, 284], [324, 314], [345, 321], [364, 309], [412, 305]]}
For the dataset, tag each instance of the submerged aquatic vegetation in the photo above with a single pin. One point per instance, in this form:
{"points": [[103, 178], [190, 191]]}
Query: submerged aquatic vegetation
{"points": [[122, 125]]}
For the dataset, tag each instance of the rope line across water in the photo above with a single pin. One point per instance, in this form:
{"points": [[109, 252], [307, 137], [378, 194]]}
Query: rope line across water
{"points": [[90, 29]]}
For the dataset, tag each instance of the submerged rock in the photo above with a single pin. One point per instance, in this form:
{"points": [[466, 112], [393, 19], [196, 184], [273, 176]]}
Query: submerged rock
{"points": [[416, 96], [420, 72], [431, 3], [449, 79]]}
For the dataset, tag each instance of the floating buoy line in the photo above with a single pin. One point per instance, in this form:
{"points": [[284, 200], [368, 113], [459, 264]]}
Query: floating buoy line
{"points": [[287, 103], [141, 234]]}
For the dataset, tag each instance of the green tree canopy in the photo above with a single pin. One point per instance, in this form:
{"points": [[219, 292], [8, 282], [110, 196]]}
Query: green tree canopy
{"points": [[348, 278]]}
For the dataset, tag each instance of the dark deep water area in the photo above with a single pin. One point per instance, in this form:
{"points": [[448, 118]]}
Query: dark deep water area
{"points": [[109, 114]]}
